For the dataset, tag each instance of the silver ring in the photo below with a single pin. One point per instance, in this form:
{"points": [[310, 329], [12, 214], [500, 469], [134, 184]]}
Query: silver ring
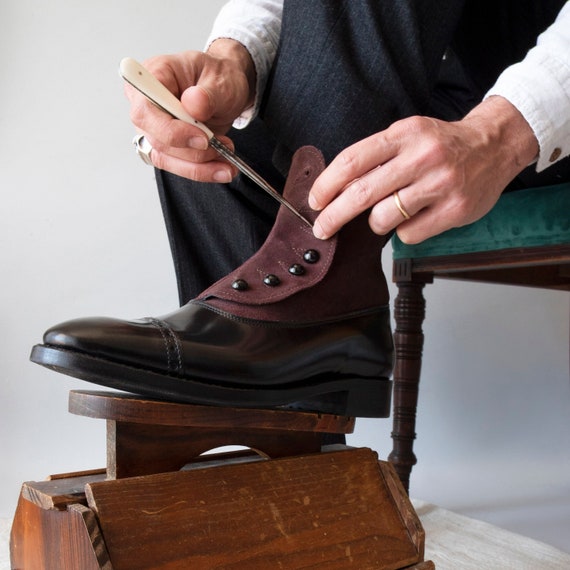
{"points": [[143, 148]]}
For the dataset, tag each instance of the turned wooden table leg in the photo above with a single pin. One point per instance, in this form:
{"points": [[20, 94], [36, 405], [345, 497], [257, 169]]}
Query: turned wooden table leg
{"points": [[409, 314]]}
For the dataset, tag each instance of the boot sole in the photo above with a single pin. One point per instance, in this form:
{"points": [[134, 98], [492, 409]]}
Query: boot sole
{"points": [[326, 393]]}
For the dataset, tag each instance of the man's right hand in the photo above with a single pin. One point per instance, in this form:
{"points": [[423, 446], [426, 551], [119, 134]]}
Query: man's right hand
{"points": [[214, 87]]}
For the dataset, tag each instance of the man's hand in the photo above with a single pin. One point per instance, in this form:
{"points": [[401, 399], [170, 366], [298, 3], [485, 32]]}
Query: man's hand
{"points": [[215, 88], [446, 174]]}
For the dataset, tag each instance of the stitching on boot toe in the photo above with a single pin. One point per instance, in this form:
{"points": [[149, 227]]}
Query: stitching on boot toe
{"points": [[171, 345]]}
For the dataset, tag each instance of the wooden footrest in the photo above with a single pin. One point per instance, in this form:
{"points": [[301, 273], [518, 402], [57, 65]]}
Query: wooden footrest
{"points": [[151, 436], [332, 510]]}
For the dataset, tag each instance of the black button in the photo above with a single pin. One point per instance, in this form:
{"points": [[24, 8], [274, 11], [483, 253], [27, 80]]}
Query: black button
{"points": [[311, 256], [271, 280], [240, 285], [297, 269]]}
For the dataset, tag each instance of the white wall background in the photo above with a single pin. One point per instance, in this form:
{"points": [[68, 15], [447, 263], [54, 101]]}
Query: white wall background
{"points": [[81, 234]]}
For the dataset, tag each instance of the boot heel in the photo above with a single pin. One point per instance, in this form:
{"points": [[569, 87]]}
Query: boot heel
{"points": [[354, 397], [369, 398]]}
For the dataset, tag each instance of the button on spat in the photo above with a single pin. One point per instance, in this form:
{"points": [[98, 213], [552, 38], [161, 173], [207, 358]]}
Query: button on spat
{"points": [[240, 285], [271, 280], [311, 256]]}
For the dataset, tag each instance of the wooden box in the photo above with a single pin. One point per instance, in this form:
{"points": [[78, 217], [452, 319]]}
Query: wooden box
{"points": [[332, 510]]}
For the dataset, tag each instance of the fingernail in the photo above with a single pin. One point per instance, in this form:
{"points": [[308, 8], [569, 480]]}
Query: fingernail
{"points": [[199, 143], [318, 231], [223, 176], [313, 204]]}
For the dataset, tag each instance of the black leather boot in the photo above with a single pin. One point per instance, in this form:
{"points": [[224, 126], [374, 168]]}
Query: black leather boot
{"points": [[304, 323]]}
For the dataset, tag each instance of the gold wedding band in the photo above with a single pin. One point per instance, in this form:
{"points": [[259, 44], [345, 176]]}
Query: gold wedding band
{"points": [[400, 206]]}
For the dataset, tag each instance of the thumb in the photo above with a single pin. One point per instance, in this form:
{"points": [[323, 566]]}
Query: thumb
{"points": [[199, 102]]}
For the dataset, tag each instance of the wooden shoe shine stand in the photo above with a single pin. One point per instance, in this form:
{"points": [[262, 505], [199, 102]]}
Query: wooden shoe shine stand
{"points": [[284, 502]]}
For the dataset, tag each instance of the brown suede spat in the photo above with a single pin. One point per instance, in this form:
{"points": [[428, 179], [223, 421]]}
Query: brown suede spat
{"points": [[295, 277], [285, 246]]}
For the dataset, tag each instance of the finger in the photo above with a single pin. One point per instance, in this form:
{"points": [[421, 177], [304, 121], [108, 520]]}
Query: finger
{"points": [[357, 197], [434, 218], [211, 171], [361, 194], [153, 121], [186, 152], [425, 224], [395, 209], [351, 164], [173, 71], [159, 124], [163, 128], [197, 165]]}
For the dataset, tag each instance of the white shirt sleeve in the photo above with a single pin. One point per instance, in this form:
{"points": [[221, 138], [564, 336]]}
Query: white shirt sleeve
{"points": [[256, 24], [539, 87]]}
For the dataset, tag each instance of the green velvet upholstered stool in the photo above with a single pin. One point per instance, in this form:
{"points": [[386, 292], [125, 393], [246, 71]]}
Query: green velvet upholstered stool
{"points": [[524, 240]]}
